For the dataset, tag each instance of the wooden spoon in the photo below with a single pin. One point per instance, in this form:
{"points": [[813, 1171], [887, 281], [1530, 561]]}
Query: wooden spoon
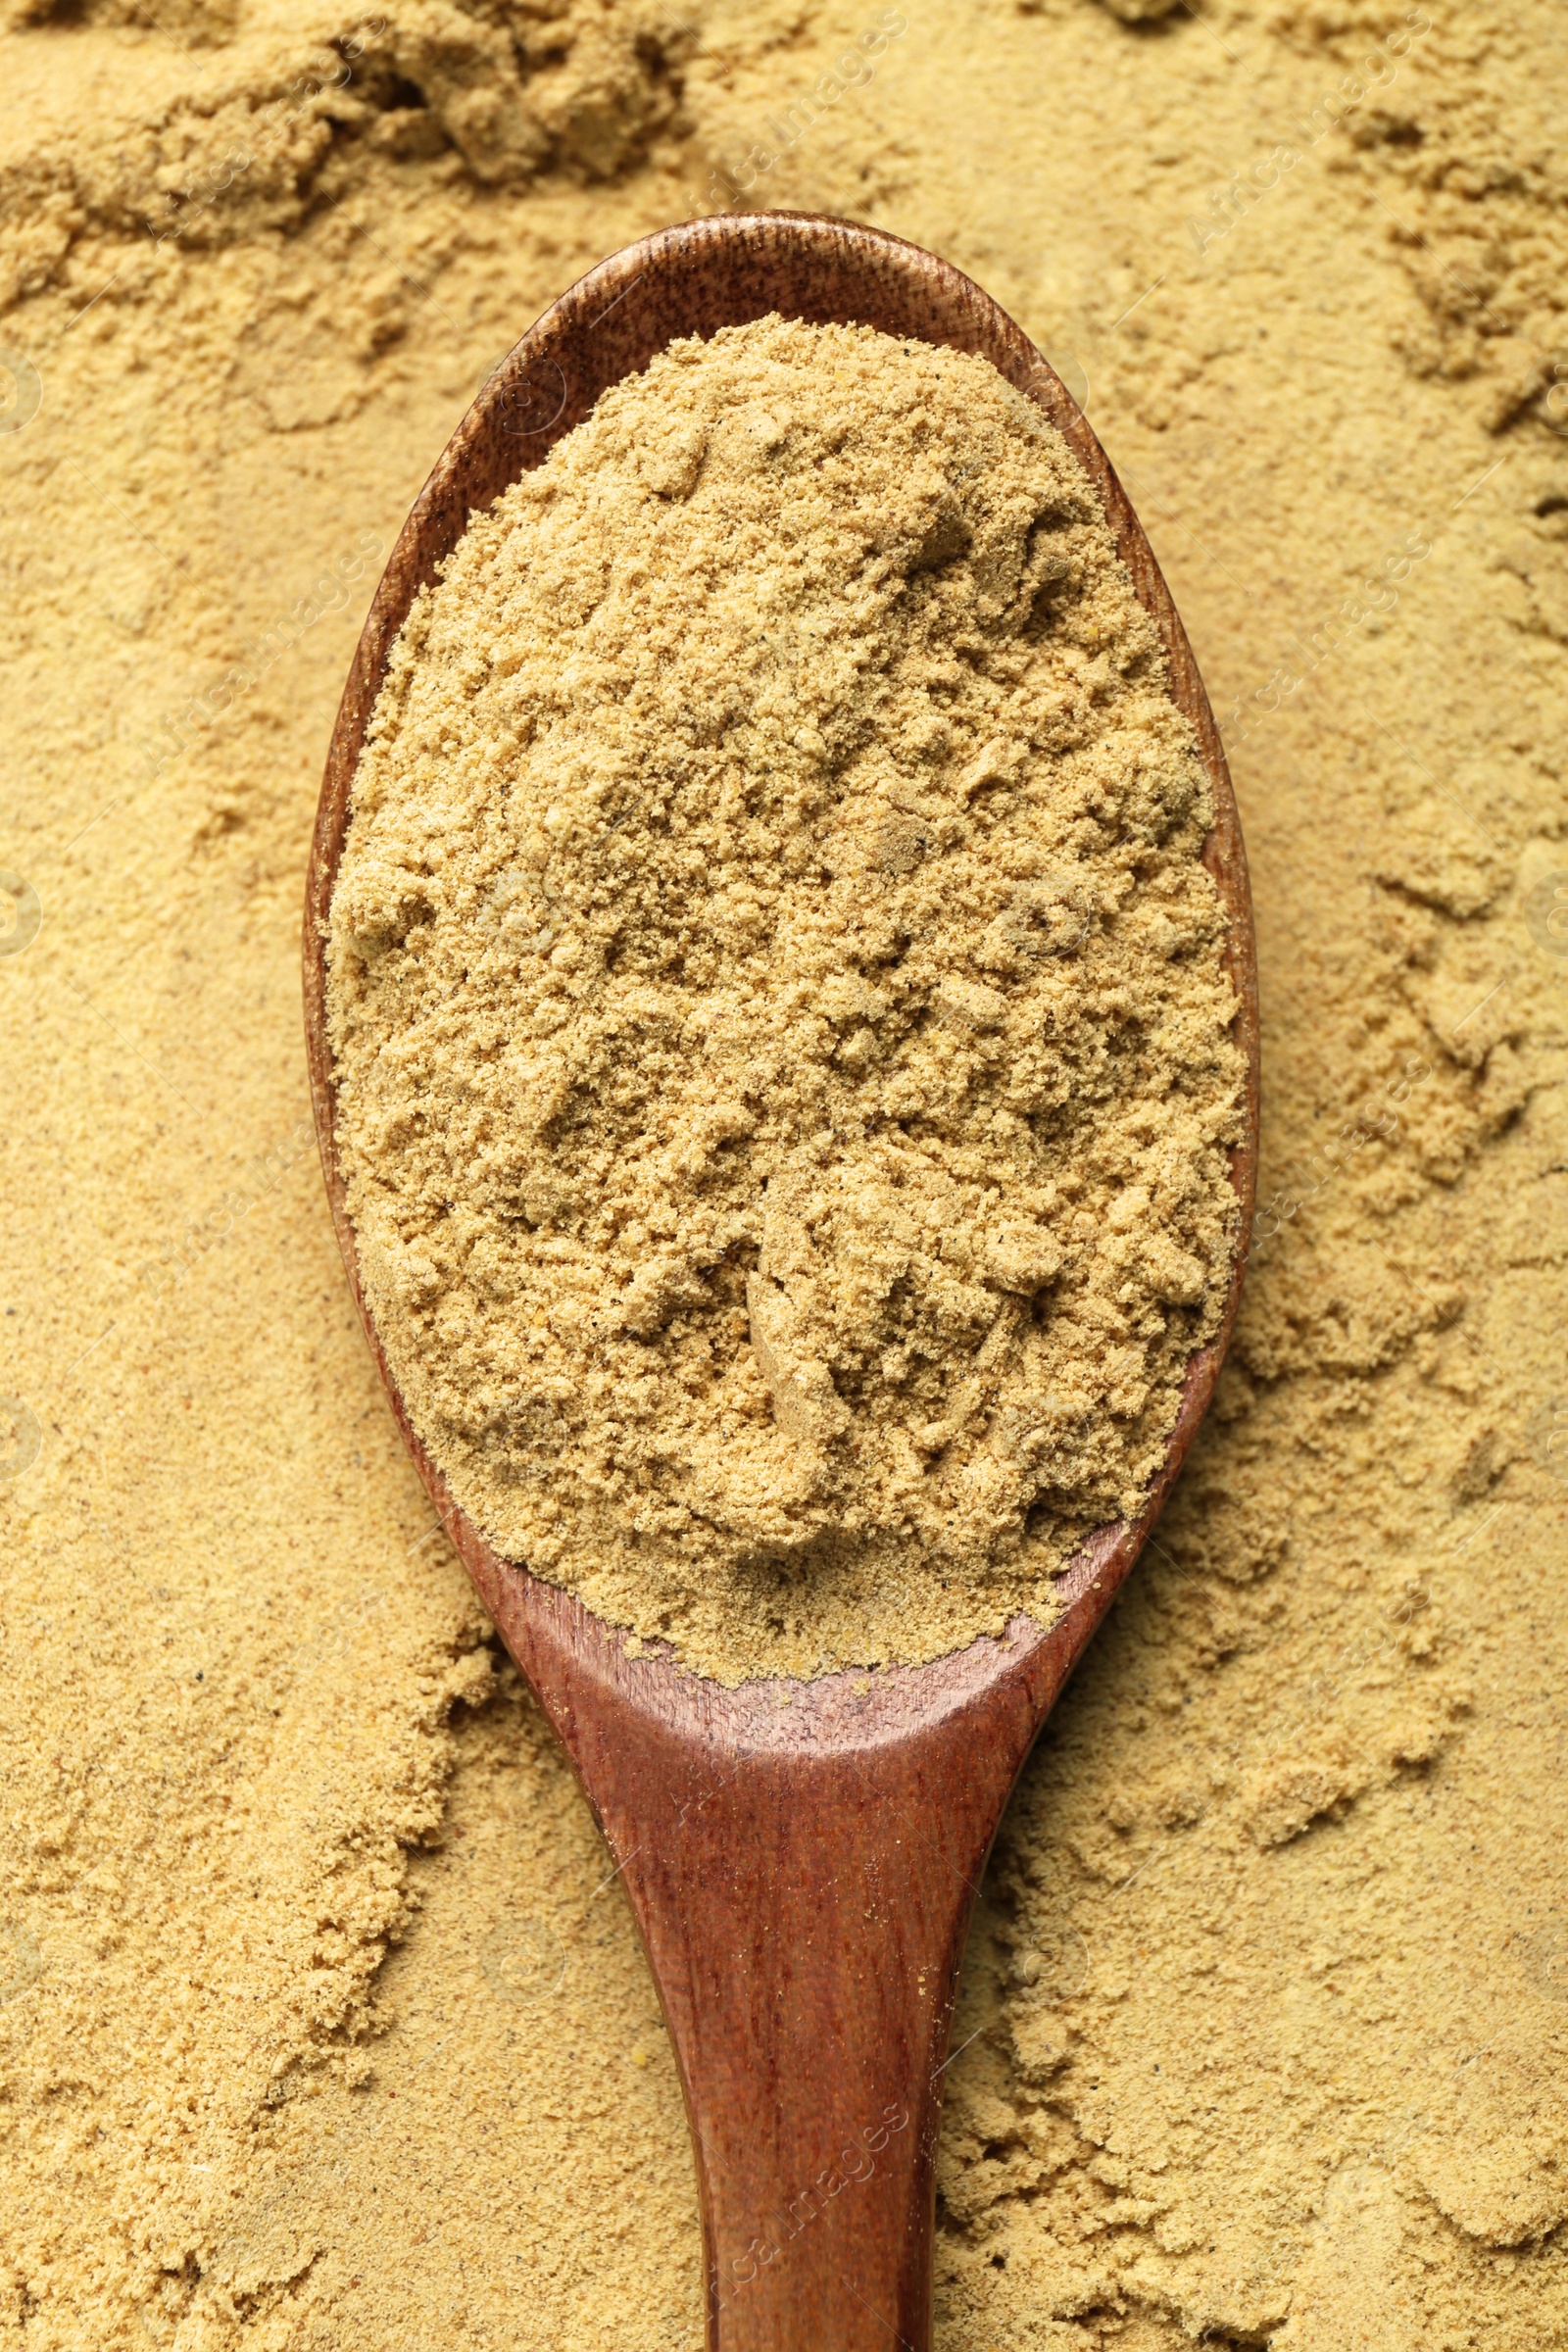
{"points": [[801, 1858]]}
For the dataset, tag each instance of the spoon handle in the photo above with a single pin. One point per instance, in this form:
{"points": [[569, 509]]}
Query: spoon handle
{"points": [[806, 1922], [801, 1876]]}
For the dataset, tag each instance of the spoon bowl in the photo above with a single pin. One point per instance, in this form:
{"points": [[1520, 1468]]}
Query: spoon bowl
{"points": [[801, 1858]]}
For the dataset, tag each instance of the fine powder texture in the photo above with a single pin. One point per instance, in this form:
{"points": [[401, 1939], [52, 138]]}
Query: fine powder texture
{"points": [[324, 2022], [784, 1055]]}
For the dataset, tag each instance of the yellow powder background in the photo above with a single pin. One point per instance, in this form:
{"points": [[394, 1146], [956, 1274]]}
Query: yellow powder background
{"points": [[783, 1052], [320, 2027]]}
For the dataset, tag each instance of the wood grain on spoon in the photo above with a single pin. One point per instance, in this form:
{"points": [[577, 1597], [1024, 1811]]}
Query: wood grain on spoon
{"points": [[801, 1857]]}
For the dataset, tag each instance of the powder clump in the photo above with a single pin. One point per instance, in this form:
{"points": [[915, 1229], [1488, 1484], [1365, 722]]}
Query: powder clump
{"points": [[783, 1045]]}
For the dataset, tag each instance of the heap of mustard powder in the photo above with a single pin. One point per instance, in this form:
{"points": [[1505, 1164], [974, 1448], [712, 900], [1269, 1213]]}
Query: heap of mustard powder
{"points": [[785, 1058]]}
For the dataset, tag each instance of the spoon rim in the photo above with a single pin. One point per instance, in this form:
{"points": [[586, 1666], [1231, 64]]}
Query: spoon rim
{"points": [[848, 1707]]}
